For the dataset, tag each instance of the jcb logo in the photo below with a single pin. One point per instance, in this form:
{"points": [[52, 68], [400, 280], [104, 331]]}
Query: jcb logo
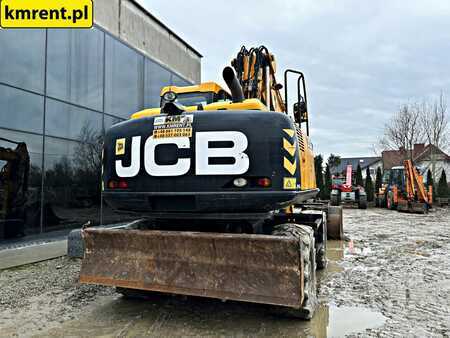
{"points": [[203, 154]]}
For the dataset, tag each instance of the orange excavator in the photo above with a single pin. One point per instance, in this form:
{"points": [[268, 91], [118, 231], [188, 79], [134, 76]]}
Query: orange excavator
{"points": [[403, 189]]}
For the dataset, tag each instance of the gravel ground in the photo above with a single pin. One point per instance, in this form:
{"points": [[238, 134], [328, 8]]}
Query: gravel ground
{"points": [[398, 264], [391, 279]]}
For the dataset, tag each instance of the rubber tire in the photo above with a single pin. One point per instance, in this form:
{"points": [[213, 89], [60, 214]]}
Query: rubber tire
{"points": [[321, 251], [305, 235], [362, 203], [335, 223]]}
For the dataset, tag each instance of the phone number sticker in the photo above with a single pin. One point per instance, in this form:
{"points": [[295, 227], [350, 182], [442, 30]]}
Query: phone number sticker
{"points": [[173, 126], [174, 132]]}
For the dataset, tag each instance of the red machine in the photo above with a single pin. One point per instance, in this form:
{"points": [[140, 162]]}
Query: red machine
{"points": [[346, 192]]}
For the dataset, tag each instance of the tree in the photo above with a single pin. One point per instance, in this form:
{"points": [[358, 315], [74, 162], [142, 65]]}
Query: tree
{"points": [[369, 186], [87, 162], [333, 161], [443, 185], [378, 180], [328, 183], [435, 122], [359, 179], [318, 163], [403, 130]]}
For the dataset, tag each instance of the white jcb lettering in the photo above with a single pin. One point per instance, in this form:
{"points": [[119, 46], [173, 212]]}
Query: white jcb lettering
{"points": [[133, 169], [180, 168], [204, 153]]}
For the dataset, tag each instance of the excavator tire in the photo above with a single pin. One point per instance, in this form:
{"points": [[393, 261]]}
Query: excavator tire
{"points": [[305, 235], [321, 251], [362, 203], [335, 228]]}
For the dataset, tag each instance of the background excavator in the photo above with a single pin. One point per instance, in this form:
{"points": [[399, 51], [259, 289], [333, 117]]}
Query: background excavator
{"points": [[343, 191], [403, 189], [222, 181], [13, 188]]}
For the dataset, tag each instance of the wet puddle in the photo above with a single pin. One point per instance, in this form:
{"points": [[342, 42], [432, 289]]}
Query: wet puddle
{"points": [[333, 321]]}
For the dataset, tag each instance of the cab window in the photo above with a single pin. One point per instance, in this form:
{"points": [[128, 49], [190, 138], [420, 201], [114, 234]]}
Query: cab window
{"points": [[192, 99]]}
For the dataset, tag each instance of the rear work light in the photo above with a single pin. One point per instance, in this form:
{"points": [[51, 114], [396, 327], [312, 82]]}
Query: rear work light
{"points": [[240, 182], [113, 184], [264, 182], [123, 185]]}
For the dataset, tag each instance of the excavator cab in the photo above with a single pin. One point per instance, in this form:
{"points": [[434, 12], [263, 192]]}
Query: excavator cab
{"points": [[395, 176], [197, 95]]}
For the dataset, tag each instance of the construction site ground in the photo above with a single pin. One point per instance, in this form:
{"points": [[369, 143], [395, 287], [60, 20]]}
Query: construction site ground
{"points": [[390, 278]]}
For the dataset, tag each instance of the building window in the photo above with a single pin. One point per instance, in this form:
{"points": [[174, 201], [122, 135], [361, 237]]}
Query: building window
{"points": [[72, 181], [75, 66], [21, 110], [67, 121], [178, 81], [123, 79], [22, 58], [110, 121], [156, 77], [34, 147]]}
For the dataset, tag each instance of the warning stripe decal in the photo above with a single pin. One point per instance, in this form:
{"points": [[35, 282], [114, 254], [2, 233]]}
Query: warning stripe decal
{"points": [[290, 147]]}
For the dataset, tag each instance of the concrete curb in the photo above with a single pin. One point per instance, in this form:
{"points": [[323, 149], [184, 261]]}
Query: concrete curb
{"points": [[10, 258]]}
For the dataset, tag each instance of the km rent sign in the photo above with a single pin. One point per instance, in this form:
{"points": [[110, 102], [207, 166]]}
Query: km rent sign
{"points": [[46, 13]]}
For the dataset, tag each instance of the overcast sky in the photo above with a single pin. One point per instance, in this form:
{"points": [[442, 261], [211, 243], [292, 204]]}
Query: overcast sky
{"points": [[361, 59]]}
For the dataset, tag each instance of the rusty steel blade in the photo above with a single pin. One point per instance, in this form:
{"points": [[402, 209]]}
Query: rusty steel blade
{"points": [[253, 268]]}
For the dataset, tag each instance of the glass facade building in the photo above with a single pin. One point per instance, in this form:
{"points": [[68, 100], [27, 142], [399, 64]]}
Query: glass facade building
{"points": [[59, 91]]}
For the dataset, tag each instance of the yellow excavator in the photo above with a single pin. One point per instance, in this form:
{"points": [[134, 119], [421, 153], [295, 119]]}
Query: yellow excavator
{"points": [[223, 182]]}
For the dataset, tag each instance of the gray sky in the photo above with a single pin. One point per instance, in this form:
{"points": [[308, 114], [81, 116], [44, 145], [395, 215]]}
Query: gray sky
{"points": [[361, 59]]}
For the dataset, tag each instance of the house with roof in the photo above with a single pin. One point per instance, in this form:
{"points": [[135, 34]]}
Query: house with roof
{"points": [[422, 158], [372, 162]]}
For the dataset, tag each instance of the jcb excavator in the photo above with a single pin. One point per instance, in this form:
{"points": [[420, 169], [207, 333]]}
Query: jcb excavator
{"points": [[13, 188], [403, 189], [223, 182]]}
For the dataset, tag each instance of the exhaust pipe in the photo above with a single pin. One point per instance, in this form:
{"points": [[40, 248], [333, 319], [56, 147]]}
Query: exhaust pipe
{"points": [[232, 82]]}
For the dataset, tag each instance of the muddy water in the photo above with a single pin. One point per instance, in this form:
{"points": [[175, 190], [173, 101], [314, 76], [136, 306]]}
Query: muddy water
{"points": [[391, 278]]}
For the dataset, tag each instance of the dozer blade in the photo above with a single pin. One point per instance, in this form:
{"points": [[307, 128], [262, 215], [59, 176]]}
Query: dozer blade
{"points": [[253, 268]]}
